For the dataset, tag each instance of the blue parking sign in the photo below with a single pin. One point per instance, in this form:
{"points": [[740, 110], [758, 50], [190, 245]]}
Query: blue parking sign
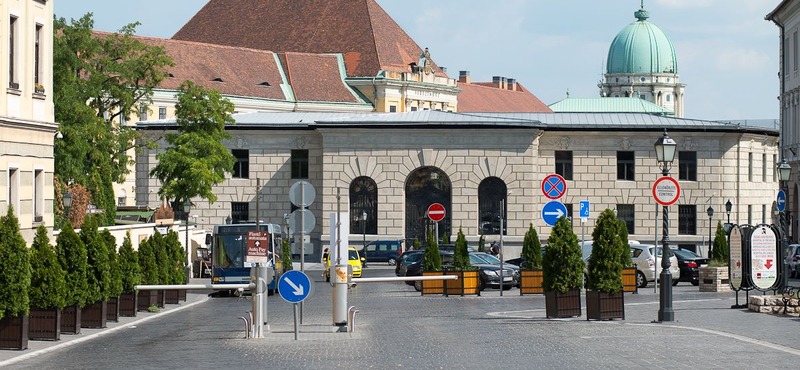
{"points": [[584, 209]]}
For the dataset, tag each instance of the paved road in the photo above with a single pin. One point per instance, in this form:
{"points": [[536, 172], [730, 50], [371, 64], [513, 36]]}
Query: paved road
{"points": [[399, 329]]}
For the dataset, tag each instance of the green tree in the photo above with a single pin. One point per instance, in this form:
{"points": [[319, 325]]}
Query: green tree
{"points": [[416, 244], [445, 239], [129, 266], [15, 264], [196, 159], [531, 250], [720, 251], [605, 263], [562, 264], [482, 243], [147, 262], [286, 255], [48, 287], [98, 273], [176, 257], [627, 260], [72, 257], [115, 275], [461, 255], [96, 79], [159, 244], [431, 259]]}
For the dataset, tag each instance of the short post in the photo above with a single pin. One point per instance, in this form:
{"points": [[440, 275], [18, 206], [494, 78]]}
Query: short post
{"points": [[296, 327], [302, 238], [339, 273], [502, 218]]}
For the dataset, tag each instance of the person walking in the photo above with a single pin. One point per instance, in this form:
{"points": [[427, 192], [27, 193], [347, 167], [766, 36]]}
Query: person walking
{"points": [[495, 249]]}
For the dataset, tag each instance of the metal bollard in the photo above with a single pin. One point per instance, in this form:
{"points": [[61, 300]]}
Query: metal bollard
{"points": [[351, 324], [246, 327], [252, 324]]}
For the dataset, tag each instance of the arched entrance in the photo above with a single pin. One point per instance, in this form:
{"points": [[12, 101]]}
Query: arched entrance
{"points": [[425, 186]]}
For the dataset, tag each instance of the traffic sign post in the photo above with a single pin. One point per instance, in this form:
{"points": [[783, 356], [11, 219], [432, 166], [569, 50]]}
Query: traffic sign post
{"points": [[584, 217], [302, 194], [436, 213], [666, 191], [781, 201], [552, 211], [554, 186], [257, 247], [294, 287]]}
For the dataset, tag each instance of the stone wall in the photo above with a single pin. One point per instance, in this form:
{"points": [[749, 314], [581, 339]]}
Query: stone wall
{"points": [[714, 279], [774, 305]]}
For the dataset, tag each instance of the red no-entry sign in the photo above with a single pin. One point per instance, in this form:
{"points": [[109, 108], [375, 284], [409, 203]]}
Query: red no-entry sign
{"points": [[436, 212]]}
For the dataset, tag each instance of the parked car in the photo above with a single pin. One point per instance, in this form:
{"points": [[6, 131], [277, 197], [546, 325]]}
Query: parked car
{"points": [[689, 264], [353, 259], [410, 263], [516, 261], [381, 251], [792, 258], [452, 248], [646, 271], [489, 269]]}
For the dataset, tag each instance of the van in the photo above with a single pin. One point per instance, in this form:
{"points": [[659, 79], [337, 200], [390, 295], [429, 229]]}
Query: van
{"points": [[382, 251]]}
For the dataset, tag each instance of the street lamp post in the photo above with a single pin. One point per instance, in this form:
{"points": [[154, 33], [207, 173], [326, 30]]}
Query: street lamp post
{"points": [[728, 208], [665, 153], [187, 207], [710, 212], [67, 200], [785, 171]]}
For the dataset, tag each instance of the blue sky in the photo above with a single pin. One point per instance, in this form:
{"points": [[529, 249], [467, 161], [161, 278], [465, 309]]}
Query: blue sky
{"points": [[727, 52]]}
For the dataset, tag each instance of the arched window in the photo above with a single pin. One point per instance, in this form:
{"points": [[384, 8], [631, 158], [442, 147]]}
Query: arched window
{"points": [[363, 198], [491, 192], [425, 186]]}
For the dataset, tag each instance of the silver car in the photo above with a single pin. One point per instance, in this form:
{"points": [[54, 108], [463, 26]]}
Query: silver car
{"points": [[646, 264], [792, 257]]}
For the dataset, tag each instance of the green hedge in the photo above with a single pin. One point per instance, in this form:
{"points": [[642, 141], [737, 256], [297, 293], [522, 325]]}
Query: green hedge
{"points": [[720, 251], [15, 268], [562, 264], [627, 260], [72, 257], [48, 284], [605, 263], [128, 262], [98, 273]]}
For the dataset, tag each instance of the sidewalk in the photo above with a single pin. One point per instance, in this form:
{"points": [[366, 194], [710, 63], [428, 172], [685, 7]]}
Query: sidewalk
{"points": [[38, 347]]}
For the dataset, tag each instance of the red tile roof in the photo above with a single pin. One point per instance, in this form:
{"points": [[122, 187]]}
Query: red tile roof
{"points": [[369, 39], [316, 77], [482, 97]]}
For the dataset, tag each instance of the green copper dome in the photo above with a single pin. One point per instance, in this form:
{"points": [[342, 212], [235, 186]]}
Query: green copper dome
{"points": [[642, 47]]}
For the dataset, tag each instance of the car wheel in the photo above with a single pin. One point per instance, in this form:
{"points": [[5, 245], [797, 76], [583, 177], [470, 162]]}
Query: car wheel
{"points": [[418, 286], [674, 282], [695, 283], [641, 281], [392, 261], [506, 287]]}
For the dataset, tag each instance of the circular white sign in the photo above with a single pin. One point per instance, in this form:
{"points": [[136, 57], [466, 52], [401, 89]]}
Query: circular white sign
{"points": [[309, 194], [763, 257], [309, 221], [666, 191]]}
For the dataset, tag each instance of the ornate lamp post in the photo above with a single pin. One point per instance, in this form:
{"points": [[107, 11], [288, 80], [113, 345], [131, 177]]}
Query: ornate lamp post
{"points": [[710, 212], [67, 200], [665, 153], [728, 208], [784, 171]]}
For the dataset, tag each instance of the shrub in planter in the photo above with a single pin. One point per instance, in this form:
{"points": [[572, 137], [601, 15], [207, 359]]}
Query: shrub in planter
{"points": [[15, 281], [115, 279], [468, 278], [604, 299], [130, 276], [162, 262], [98, 276], [431, 266], [531, 269], [47, 291], [72, 257], [563, 271], [629, 283], [286, 255], [149, 274], [714, 277], [720, 252], [176, 268]]}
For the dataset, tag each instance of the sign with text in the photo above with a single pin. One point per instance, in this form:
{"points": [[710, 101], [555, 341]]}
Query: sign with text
{"points": [[257, 247], [763, 257], [735, 257], [666, 191]]}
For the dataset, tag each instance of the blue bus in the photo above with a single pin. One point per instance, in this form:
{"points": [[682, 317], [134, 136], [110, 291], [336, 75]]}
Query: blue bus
{"points": [[229, 250]]}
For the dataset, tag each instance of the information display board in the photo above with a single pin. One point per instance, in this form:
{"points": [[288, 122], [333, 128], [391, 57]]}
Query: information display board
{"points": [[763, 257]]}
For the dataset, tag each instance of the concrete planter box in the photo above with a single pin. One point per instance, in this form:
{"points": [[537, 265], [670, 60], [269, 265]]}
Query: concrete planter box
{"points": [[45, 324], [14, 332], [531, 282], [714, 279], [605, 306], [71, 320]]}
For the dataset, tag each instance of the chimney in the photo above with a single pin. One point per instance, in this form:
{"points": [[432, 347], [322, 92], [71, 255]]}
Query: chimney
{"points": [[444, 69], [512, 84], [497, 82], [463, 77]]}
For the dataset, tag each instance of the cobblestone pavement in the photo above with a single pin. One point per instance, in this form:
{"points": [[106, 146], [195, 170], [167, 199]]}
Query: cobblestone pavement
{"points": [[397, 328]]}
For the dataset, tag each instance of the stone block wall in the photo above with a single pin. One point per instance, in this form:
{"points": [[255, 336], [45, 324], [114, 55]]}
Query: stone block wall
{"points": [[714, 279], [774, 305]]}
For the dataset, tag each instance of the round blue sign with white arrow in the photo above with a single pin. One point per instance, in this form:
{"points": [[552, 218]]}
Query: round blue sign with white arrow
{"points": [[294, 286], [781, 202], [552, 211]]}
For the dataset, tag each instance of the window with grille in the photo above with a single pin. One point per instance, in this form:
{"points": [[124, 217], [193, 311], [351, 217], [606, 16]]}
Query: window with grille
{"points": [[627, 213], [687, 220], [240, 212], [241, 169], [687, 166], [363, 200], [299, 164], [564, 164]]}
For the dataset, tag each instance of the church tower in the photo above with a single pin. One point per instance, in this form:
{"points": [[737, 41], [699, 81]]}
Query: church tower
{"points": [[642, 63]]}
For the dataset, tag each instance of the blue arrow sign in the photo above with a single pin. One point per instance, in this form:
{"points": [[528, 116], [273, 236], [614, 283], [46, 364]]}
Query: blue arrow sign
{"points": [[781, 201], [552, 211], [584, 209], [294, 286]]}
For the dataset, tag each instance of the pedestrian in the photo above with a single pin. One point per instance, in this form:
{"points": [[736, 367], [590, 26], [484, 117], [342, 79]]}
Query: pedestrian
{"points": [[495, 249], [325, 255]]}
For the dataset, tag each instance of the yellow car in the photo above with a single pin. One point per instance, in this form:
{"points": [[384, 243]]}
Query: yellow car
{"points": [[353, 259]]}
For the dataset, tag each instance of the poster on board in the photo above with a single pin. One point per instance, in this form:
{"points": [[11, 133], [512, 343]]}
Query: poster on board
{"points": [[763, 257], [735, 257]]}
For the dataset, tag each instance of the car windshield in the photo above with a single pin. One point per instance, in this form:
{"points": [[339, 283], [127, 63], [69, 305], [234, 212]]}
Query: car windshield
{"points": [[488, 258], [414, 257], [352, 256], [475, 260], [685, 253]]}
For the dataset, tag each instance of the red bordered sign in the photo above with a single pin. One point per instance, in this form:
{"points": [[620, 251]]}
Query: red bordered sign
{"points": [[666, 191], [554, 186], [436, 212]]}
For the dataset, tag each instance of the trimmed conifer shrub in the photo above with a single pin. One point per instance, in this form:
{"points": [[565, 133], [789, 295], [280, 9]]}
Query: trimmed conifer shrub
{"points": [[15, 268], [461, 255], [531, 250], [163, 262], [177, 256], [48, 284], [72, 257], [445, 239], [720, 252], [115, 279], [128, 262], [431, 259], [605, 263], [627, 260], [98, 274], [562, 264], [286, 255], [147, 263], [416, 244]]}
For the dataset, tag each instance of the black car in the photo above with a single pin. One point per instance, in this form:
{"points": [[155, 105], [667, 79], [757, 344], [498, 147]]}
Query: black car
{"points": [[410, 263], [489, 271], [689, 264]]}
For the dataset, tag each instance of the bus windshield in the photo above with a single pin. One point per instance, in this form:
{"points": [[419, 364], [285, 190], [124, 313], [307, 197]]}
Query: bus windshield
{"points": [[230, 246]]}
